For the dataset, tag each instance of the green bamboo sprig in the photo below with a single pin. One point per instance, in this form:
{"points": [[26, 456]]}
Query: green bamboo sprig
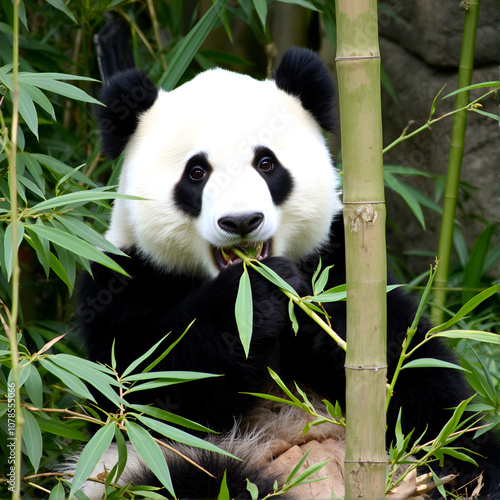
{"points": [[299, 301], [470, 106], [466, 66]]}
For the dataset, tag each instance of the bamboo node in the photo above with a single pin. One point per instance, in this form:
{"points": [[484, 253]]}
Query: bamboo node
{"points": [[354, 58], [376, 368]]}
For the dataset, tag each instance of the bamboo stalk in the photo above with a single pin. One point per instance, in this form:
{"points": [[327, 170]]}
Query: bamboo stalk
{"points": [[466, 66], [358, 70], [12, 330]]}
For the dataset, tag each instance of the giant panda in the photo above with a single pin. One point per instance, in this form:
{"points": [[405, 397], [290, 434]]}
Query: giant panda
{"points": [[223, 162]]}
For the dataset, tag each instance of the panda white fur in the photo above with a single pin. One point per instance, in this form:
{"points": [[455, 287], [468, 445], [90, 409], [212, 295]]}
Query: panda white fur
{"points": [[226, 161]]}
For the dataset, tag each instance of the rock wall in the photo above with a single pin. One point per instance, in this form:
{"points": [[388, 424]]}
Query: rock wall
{"points": [[420, 47]]}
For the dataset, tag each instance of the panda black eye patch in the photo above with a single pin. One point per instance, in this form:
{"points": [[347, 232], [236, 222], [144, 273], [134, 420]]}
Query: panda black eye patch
{"points": [[278, 178], [188, 191]]}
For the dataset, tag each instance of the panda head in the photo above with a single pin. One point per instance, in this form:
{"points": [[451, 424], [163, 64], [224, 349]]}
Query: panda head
{"points": [[223, 161]]}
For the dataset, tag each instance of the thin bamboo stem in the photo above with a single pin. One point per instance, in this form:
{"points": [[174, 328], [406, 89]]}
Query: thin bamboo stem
{"points": [[455, 160], [15, 467]]}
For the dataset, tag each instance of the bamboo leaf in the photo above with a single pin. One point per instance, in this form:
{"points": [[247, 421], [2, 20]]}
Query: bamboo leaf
{"points": [[431, 363], [261, 9], [32, 438], [60, 5], [485, 113], [474, 268], [57, 492], [28, 111], [170, 417], [491, 338], [74, 384], [61, 429], [302, 3], [130, 368], [320, 284], [169, 377], [52, 83], [8, 246], [275, 278], [253, 490], [151, 453], [91, 455], [84, 231], [473, 87], [36, 95], [466, 309], [189, 46], [244, 311], [180, 436], [75, 245], [80, 197], [33, 386], [224, 491]]}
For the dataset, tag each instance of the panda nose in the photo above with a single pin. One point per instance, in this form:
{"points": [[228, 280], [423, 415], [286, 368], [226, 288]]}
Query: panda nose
{"points": [[241, 224]]}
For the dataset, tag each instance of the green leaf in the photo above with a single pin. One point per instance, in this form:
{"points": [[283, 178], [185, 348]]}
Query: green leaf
{"points": [[50, 82], [293, 318], [58, 167], [61, 429], [91, 455], [130, 368], [458, 455], [244, 311], [475, 265], [431, 363], [180, 436], [32, 438], [74, 384], [84, 231], [90, 372], [83, 196], [466, 309], [58, 492], [319, 285], [58, 268], [75, 245], [170, 417], [485, 113], [275, 278], [60, 5], [151, 453], [39, 97], [27, 111], [8, 255], [254, 491], [407, 195], [261, 9], [472, 87], [33, 386], [122, 457], [169, 377], [224, 491], [302, 3], [190, 45]]}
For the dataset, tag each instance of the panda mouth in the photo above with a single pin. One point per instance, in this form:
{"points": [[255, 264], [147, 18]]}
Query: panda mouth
{"points": [[225, 257]]}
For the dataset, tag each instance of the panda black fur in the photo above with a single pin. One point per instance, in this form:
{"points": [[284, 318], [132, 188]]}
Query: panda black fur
{"points": [[226, 161]]}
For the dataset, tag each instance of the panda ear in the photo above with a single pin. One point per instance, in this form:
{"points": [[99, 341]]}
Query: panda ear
{"points": [[303, 74], [126, 96]]}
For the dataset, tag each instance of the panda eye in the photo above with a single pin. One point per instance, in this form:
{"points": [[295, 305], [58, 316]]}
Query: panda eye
{"points": [[197, 173], [266, 165]]}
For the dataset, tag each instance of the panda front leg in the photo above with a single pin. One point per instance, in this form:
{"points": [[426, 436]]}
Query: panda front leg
{"points": [[150, 304]]}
